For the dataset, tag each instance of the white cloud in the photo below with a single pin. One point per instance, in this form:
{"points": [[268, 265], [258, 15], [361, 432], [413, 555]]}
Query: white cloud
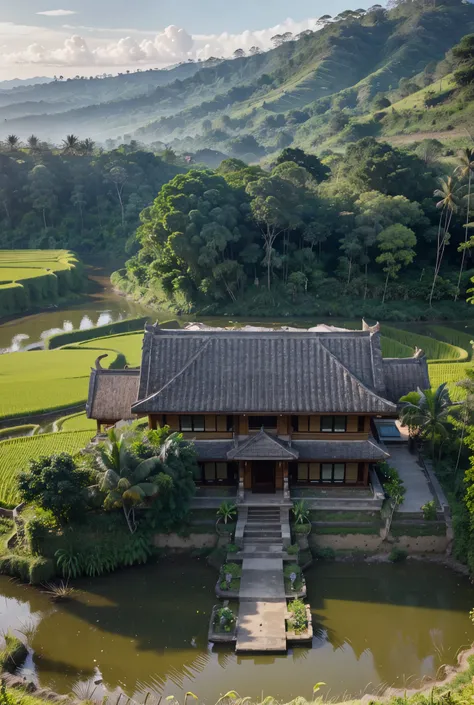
{"points": [[57, 13], [101, 48]]}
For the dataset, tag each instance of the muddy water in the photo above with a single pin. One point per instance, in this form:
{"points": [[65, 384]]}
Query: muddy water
{"points": [[145, 629]]}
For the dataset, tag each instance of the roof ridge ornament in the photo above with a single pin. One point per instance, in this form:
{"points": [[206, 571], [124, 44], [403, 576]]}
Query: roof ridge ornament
{"points": [[98, 366], [419, 353], [371, 329]]}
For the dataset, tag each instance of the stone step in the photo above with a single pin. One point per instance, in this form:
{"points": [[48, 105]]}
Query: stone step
{"points": [[262, 533], [264, 525], [260, 539]]}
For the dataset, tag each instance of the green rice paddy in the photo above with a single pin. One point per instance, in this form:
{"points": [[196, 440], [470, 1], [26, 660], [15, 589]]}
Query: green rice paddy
{"points": [[75, 422], [16, 453], [34, 382], [32, 278]]}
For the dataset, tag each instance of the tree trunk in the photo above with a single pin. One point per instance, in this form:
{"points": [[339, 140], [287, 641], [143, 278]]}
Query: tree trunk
{"points": [[465, 236], [349, 272], [385, 289], [44, 219], [366, 282], [441, 234]]}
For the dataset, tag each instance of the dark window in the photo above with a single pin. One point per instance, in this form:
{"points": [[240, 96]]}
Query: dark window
{"points": [[191, 423], [333, 473], [361, 424], [333, 424], [308, 473], [230, 424], [256, 422], [218, 473]]}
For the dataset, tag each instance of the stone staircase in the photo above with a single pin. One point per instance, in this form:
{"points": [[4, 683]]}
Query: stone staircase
{"points": [[263, 532]]}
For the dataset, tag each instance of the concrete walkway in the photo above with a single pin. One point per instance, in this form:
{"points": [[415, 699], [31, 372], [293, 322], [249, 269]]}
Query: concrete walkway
{"points": [[262, 579], [418, 491], [261, 626], [262, 608]]}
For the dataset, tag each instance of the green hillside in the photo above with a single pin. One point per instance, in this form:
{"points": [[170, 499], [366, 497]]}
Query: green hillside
{"points": [[320, 89]]}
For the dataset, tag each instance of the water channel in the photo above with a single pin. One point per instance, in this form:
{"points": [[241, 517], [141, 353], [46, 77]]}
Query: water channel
{"points": [[145, 629]]}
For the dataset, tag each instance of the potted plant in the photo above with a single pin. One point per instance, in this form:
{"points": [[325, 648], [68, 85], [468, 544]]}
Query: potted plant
{"points": [[302, 523]]}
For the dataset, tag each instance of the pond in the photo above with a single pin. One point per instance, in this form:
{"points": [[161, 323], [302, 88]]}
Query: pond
{"points": [[145, 629]]}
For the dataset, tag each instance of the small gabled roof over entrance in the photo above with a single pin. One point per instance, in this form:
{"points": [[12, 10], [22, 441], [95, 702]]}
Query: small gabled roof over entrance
{"points": [[263, 447]]}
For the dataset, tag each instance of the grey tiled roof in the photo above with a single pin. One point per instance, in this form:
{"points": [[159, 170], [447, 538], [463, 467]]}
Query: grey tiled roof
{"points": [[262, 446], [261, 372], [299, 450], [340, 450], [213, 450], [404, 375]]}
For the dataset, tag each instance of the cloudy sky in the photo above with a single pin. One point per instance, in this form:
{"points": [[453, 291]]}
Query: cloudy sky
{"points": [[42, 38]]}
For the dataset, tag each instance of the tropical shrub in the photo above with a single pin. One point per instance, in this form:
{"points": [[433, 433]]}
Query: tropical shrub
{"points": [[227, 511], [300, 511], [397, 555], [57, 485], [224, 619], [429, 510], [298, 621]]}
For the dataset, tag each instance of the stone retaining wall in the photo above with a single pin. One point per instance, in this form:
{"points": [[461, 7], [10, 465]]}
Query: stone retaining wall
{"points": [[183, 543], [368, 542]]}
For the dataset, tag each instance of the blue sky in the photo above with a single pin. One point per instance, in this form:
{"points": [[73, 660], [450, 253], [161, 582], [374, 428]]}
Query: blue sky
{"points": [[88, 37]]}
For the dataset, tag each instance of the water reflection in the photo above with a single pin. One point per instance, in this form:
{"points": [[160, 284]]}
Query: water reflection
{"points": [[145, 629]]}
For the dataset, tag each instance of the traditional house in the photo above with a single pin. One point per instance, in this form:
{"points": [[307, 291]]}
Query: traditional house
{"points": [[266, 409]]}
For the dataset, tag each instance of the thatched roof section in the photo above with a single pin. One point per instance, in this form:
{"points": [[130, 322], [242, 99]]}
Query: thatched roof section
{"points": [[404, 375], [112, 393], [236, 371]]}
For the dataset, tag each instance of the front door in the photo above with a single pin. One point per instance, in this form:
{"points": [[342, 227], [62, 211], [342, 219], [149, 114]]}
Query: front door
{"points": [[263, 476]]}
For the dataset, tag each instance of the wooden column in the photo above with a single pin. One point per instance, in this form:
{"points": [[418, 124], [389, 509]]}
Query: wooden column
{"points": [[152, 422], [366, 474], [247, 474]]}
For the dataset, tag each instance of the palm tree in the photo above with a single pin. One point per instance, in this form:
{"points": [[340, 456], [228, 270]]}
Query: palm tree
{"points": [[429, 413], [33, 143], [13, 142], [87, 146], [465, 170], [447, 193], [70, 144], [126, 480]]}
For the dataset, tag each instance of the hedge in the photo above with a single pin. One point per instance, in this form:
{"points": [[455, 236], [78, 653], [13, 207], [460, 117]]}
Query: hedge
{"points": [[31, 569]]}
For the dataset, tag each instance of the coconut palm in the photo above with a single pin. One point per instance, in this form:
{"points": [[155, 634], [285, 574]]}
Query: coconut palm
{"points": [[126, 480], [447, 205], [429, 413], [87, 146], [33, 143], [13, 142], [70, 144], [465, 171]]}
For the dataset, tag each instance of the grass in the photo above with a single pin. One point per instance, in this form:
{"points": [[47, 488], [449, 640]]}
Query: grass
{"points": [[33, 382], [129, 344], [16, 453], [75, 422], [454, 337], [393, 348], [449, 372], [434, 349]]}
